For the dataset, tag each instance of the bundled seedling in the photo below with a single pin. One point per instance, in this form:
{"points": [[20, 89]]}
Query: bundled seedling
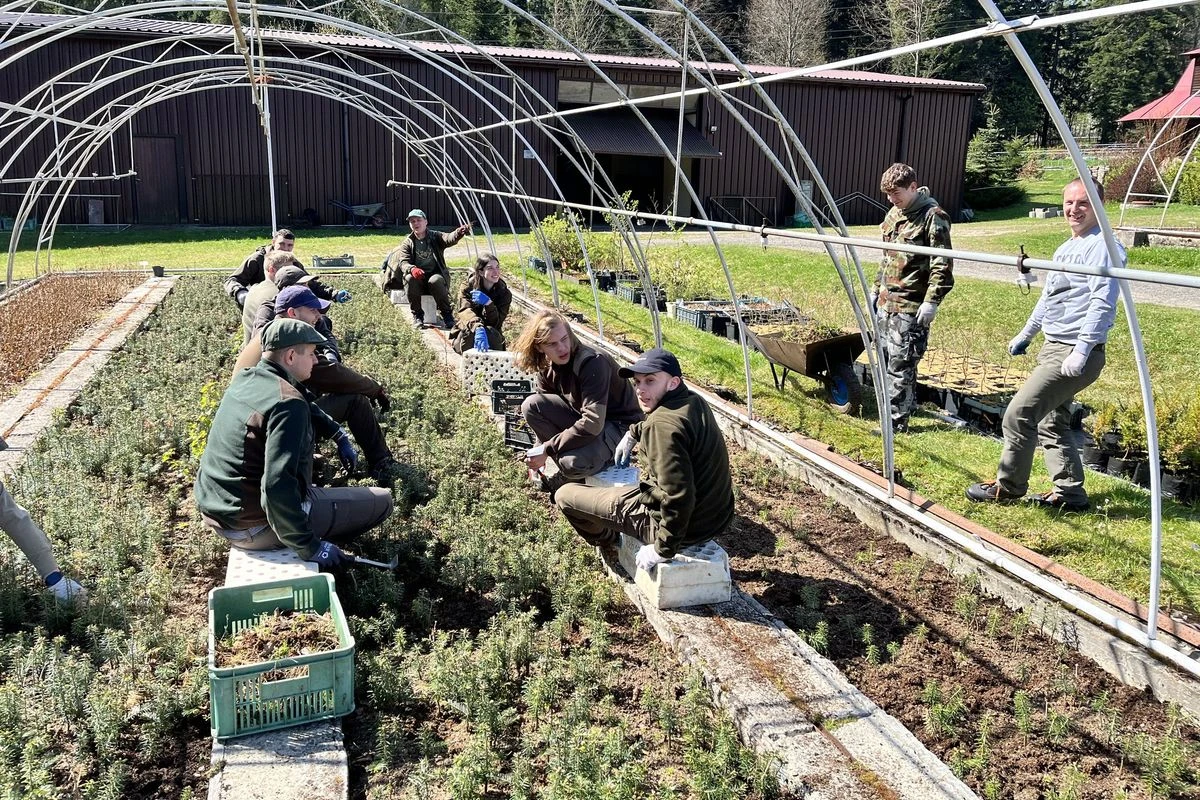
{"points": [[281, 634]]}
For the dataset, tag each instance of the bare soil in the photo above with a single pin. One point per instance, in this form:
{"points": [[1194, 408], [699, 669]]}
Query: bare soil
{"points": [[36, 324], [1015, 713]]}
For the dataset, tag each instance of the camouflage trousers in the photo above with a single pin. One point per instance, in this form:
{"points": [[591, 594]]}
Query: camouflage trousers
{"points": [[904, 343]]}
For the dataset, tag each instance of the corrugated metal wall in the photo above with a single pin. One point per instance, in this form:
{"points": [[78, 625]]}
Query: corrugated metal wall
{"points": [[852, 133], [326, 150]]}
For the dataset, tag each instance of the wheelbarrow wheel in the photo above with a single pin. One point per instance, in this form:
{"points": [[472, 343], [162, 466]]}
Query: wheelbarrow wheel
{"points": [[845, 390]]}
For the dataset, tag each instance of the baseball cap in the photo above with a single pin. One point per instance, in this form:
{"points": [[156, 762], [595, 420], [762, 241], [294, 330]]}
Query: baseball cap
{"points": [[289, 276], [416, 212], [656, 360], [298, 297], [283, 332]]}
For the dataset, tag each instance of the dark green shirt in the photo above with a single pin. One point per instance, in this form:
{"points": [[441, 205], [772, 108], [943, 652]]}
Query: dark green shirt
{"points": [[685, 480], [257, 464]]}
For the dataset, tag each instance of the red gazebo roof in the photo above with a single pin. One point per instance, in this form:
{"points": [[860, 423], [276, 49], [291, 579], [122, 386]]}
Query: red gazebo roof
{"points": [[1181, 102]]}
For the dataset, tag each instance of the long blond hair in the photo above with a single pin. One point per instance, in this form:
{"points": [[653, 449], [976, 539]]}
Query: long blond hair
{"points": [[527, 347]]}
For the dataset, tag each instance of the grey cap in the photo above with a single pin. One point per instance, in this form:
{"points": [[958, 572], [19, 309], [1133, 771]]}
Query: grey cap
{"points": [[289, 276], [416, 212], [283, 332]]}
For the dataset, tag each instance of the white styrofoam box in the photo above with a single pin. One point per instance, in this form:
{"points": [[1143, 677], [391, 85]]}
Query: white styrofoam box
{"points": [[430, 310], [614, 476], [256, 566], [696, 576], [480, 369], [428, 305]]}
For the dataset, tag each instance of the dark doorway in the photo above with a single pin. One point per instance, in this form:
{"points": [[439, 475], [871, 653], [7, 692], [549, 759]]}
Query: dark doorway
{"points": [[155, 160], [641, 176]]}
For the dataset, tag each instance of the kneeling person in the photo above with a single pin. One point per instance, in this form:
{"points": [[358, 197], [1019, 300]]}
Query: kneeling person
{"points": [[582, 406], [685, 492], [255, 487]]}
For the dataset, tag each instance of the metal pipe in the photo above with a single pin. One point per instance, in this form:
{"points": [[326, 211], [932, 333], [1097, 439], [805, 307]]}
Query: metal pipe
{"points": [[1025, 24], [1135, 332], [1047, 585], [1147, 276]]}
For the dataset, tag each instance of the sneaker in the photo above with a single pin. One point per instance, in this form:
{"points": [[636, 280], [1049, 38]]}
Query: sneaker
{"points": [[418, 322], [1056, 502], [990, 492]]}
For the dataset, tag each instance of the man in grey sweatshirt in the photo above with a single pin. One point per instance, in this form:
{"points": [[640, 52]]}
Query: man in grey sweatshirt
{"points": [[1074, 313]]}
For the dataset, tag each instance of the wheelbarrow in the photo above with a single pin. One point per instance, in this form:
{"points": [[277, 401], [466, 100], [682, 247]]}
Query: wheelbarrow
{"points": [[829, 360], [364, 215]]}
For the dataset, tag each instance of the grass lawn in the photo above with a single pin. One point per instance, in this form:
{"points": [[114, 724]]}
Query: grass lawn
{"points": [[1109, 545]]}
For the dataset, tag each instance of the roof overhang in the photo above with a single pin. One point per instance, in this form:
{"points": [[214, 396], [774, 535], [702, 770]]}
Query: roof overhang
{"points": [[620, 132]]}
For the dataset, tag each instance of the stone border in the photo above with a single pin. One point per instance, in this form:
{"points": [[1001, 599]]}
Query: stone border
{"points": [[26, 414], [830, 741]]}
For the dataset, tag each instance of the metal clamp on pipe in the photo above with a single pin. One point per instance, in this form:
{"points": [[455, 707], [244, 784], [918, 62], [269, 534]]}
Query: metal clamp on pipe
{"points": [[1026, 278]]}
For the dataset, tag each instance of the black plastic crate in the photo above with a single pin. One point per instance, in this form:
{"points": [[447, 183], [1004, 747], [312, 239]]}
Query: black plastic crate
{"points": [[537, 264], [717, 323], [508, 395], [517, 433], [693, 316], [630, 291]]}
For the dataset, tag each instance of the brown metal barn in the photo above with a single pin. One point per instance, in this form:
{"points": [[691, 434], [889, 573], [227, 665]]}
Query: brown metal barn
{"points": [[200, 156]]}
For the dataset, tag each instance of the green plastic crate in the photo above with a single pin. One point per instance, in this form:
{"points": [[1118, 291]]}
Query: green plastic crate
{"points": [[242, 702]]}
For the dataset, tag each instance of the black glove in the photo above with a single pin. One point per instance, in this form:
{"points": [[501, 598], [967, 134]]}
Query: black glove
{"points": [[382, 400]]}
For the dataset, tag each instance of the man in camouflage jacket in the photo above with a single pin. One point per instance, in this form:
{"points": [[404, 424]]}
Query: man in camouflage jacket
{"points": [[909, 287]]}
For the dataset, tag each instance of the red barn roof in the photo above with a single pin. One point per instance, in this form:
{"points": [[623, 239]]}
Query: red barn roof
{"points": [[1180, 103]]}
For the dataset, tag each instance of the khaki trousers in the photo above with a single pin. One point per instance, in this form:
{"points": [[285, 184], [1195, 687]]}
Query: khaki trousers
{"points": [[599, 513], [1041, 413], [338, 515], [25, 533]]}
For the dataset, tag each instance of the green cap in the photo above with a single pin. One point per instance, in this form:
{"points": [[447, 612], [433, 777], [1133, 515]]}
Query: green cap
{"points": [[283, 332], [416, 212]]}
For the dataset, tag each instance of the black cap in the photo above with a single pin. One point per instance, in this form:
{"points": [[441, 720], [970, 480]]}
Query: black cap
{"points": [[656, 360]]}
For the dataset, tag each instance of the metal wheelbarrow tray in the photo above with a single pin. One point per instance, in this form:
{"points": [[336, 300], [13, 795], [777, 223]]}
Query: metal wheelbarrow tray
{"points": [[829, 360]]}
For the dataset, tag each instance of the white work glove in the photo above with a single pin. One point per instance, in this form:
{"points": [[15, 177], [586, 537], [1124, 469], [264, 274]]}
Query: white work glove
{"points": [[624, 450], [1073, 364], [1018, 345], [925, 314], [648, 557], [67, 591]]}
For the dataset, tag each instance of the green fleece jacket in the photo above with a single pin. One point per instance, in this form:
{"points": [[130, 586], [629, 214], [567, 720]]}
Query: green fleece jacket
{"points": [[257, 464], [685, 482]]}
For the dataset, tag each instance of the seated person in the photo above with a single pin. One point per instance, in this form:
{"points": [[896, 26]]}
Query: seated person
{"points": [[343, 393], [253, 270], [259, 306], [254, 486], [685, 491], [419, 264], [483, 305], [35, 544], [582, 407]]}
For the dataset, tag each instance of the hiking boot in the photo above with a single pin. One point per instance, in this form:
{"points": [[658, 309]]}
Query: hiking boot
{"points": [[1056, 502], [447, 321], [990, 492], [384, 473]]}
